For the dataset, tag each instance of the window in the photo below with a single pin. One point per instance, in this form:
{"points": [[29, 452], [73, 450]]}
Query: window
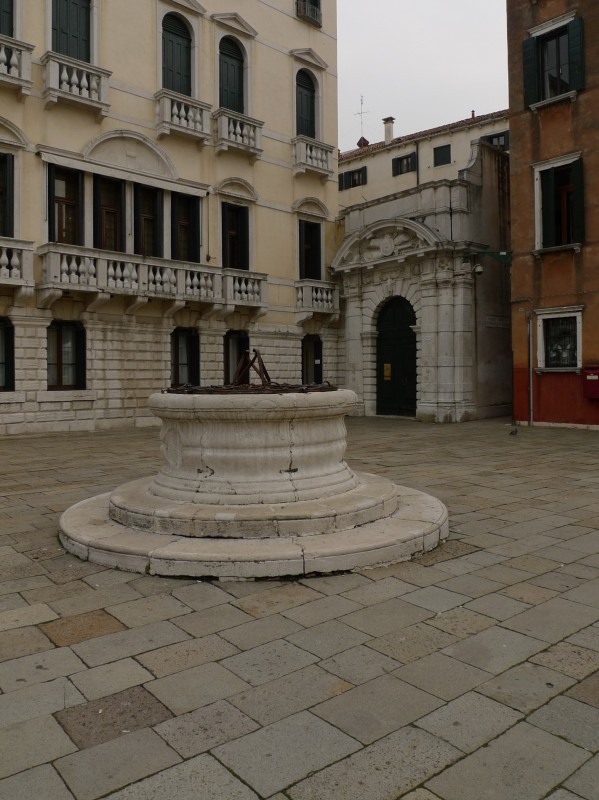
{"points": [[500, 140], [442, 155], [310, 266], [66, 355], [6, 18], [148, 220], [311, 359], [309, 10], [559, 333], [176, 55], [554, 62], [185, 357], [185, 227], [71, 28], [7, 356], [560, 204], [235, 239], [235, 344], [109, 214], [403, 164], [356, 177], [6, 194], [305, 104], [231, 75], [65, 206]]}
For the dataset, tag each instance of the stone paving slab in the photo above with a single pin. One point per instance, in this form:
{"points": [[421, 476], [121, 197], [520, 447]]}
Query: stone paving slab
{"points": [[40, 781], [38, 668], [183, 655], [30, 743], [199, 686], [576, 722], [38, 700], [115, 646], [526, 686], [79, 628], [110, 678]]}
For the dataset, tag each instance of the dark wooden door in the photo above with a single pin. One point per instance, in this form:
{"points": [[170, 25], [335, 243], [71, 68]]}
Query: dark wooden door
{"points": [[176, 55], [396, 359], [71, 28]]}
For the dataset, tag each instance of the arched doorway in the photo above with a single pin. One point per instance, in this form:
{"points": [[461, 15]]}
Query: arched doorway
{"points": [[396, 359]]}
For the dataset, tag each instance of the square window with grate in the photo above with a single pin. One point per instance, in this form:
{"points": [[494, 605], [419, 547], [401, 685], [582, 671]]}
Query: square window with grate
{"points": [[560, 339]]}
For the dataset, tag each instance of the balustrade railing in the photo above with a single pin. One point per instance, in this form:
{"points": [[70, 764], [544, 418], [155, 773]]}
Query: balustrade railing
{"points": [[177, 113], [76, 81], [310, 10], [312, 156], [15, 63], [245, 288], [238, 131], [16, 262], [317, 296]]}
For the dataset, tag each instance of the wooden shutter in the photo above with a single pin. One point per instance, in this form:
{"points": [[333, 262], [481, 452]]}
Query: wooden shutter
{"points": [[318, 361], [176, 55], [80, 357], [413, 161], [231, 76], [71, 28], [576, 53], [578, 228], [7, 195], [395, 167], [549, 237], [363, 176], [6, 18], [309, 250], [530, 63], [305, 105], [8, 355]]}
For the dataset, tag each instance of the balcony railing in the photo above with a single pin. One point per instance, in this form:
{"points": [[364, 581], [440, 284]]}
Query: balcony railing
{"points": [[237, 131], [243, 288], [75, 81], [317, 297], [309, 10], [177, 113], [312, 156], [16, 263], [15, 64]]}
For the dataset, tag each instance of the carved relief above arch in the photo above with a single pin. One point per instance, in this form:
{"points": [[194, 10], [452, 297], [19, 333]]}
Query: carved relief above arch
{"points": [[237, 187], [132, 152], [11, 135], [311, 205], [385, 241]]}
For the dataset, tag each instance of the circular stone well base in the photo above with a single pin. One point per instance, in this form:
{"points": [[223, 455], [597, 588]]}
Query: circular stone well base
{"points": [[418, 524]]}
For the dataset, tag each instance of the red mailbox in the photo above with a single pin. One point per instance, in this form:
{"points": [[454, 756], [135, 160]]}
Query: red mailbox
{"points": [[590, 382]]}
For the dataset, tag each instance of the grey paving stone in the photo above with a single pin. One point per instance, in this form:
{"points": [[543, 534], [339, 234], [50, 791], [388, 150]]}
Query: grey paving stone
{"points": [[23, 584], [374, 709], [588, 637], [195, 687], [563, 794], [205, 728], [183, 782], [436, 599], [495, 650], [471, 585], [470, 721], [335, 584], [421, 794], [328, 638], [280, 698], [30, 743], [414, 573], [409, 644], [293, 748], [273, 601], [40, 781], [461, 622], [260, 631], [576, 722], [587, 691], [95, 772], [584, 782], [80, 627], [202, 595], [115, 646], [268, 662], [359, 664], [183, 655], [110, 678], [529, 593], [587, 593], [23, 642], [382, 618], [524, 762], [379, 591], [38, 700], [497, 606], [386, 769], [148, 609], [38, 668], [9, 602], [321, 610], [553, 620], [526, 686], [442, 676], [93, 601], [24, 616], [572, 660], [212, 620]]}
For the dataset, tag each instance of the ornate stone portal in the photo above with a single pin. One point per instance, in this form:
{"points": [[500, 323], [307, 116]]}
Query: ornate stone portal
{"points": [[253, 485]]}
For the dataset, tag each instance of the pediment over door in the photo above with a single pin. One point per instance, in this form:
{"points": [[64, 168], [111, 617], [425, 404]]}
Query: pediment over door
{"points": [[384, 242]]}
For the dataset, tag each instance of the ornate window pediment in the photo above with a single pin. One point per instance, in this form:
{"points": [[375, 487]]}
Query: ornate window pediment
{"points": [[190, 6], [236, 23], [309, 56]]}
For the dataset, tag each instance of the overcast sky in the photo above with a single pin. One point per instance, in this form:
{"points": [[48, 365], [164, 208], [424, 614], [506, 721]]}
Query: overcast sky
{"points": [[424, 62]]}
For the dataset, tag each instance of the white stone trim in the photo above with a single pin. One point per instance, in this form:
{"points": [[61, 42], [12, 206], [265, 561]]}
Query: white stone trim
{"points": [[538, 168], [552, 24]]}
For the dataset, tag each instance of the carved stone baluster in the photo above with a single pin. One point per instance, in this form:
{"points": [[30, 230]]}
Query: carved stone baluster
{"points": [[94, 87], [14, 70], [84, 85], [3, 60], [75, 82], [111, 282], [4, 263], [15, 265], [64, 79]]}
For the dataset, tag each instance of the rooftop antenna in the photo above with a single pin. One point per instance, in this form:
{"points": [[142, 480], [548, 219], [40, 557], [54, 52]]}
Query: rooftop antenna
{"points": [[361, 113]]}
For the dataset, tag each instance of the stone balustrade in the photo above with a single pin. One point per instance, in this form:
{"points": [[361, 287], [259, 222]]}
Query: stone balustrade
{"points": [[177, 113], [70, 80], [317, 297], [244, 288], [237, 131], [312, 156], [15, 63], [16, 262]]}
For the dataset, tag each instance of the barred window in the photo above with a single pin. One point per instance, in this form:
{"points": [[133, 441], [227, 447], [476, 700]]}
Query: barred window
{"points": [[560, 338]]}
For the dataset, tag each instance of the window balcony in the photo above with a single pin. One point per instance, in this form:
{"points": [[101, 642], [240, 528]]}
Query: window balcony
{"points": [[72, 81], [309, 10], [176, 113], [245, 290], [237, 132], [15, 64], [16, 266], [312, 156], [316, 298]]}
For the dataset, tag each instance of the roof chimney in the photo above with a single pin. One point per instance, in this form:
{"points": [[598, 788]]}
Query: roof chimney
{"points": [[389, 129], [473, 113]]}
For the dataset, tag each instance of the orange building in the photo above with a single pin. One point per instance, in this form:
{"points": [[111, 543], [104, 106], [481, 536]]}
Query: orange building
{"points": [[554, 134]]}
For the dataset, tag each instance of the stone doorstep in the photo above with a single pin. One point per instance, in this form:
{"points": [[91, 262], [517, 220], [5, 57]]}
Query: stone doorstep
{"points": [[87, 532]]}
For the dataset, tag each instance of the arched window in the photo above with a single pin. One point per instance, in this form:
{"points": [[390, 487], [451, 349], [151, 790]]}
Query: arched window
{"points": [[231, 76], [71, 28], [305, 104], [176, 55]]}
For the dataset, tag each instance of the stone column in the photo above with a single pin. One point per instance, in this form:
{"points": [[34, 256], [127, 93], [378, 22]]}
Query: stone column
{"points": [[354, 359], [464, 344], [446, 353], [427, 364], [369, 355]]}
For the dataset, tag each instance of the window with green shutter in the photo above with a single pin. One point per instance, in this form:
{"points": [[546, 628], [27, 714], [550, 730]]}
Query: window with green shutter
{"points": [[6, 194], [235, 236], [6, 18], [185, 227], [185, 357], [148, 203], [355, 177], [442, 155], [71, 28], [7, 355], [562, 205], [310, 266], [176, 55], [554, 63], [231, 75], [305, 104], [403, 164]]}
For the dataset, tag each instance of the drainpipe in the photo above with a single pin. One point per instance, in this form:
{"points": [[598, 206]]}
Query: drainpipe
{"points": [[529, 315]]}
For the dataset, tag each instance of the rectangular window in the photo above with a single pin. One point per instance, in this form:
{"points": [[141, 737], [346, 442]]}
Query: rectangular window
{"points": [[235, 238], [66, 356], [185, 228], [403, 164], [71, 28], [500, 140], [559, 335], [6, 195], [442, 155], [185, 357], [148, 221], [560, 192], [309, 10], [310, 265], [355, 177], [109, 214], [235, 345], [7, 356], [554, 62], [6, 18], [65, 205]]}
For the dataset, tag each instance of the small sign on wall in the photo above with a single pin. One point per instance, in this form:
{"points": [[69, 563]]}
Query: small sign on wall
{"points": [[386, 372]]}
